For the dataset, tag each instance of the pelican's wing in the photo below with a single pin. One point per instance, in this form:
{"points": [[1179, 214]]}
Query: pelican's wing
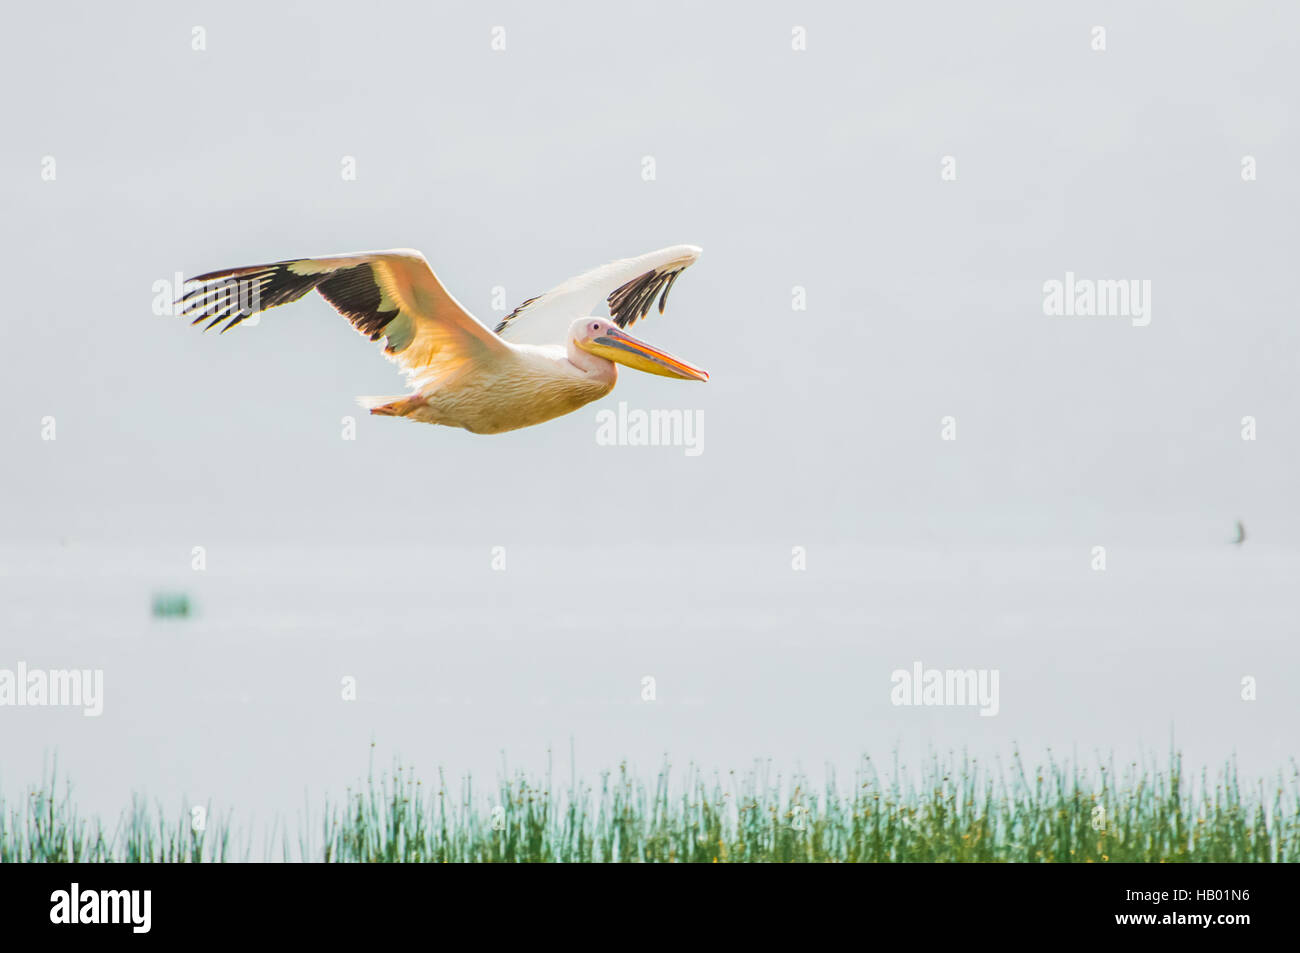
{"points": [[390, 294], [628, 287]]}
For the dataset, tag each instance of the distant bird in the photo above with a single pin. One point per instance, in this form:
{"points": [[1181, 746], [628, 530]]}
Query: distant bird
{"points": [[548, 357], [1241, 534]]}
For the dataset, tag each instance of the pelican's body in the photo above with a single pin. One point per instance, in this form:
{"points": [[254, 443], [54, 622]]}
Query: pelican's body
{"points": [[529, 385], [547, 358]]}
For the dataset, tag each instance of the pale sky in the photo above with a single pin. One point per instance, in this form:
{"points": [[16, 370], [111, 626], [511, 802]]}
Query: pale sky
{"points": [[818, 168]]}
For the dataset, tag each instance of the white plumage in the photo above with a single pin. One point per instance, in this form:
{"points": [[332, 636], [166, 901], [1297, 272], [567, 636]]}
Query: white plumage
{"points": [[549, 357]]}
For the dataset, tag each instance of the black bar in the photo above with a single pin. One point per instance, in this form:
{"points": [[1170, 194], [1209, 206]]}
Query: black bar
{"points": [[334, 902]]}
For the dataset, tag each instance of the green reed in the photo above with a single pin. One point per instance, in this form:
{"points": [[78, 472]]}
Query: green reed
{"points": [[946, 810]]}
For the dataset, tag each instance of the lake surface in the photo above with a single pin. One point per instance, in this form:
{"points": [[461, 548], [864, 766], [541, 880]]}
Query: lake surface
{"points": [[462, 666]]}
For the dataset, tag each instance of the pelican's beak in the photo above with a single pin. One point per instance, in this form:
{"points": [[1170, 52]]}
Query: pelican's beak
{"points": [[624, 349]]}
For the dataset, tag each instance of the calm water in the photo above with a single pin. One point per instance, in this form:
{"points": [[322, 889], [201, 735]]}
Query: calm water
{"points": [[461, 666]]}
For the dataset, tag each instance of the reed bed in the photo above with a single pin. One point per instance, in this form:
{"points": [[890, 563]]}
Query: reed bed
{"points": [[946, 810]]}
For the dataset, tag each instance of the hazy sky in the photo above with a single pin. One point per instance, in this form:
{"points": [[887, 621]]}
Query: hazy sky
{"points": [[818, 168]]}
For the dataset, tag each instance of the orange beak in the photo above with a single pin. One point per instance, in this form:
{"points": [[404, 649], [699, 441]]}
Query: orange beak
{"points": [[624, 349]]}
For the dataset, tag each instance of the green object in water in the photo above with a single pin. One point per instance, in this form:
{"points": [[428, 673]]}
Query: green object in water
{"points": [[171, 605]]}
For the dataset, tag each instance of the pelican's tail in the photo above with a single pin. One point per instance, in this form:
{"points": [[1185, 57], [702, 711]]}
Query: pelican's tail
{"points": [[392, 406]]}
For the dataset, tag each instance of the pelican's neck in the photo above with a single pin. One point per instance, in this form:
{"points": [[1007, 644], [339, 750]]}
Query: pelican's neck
{"points": [[590, 364]]}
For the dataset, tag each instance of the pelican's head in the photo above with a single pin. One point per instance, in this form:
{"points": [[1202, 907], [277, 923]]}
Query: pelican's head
{"points": [[605, 339]]}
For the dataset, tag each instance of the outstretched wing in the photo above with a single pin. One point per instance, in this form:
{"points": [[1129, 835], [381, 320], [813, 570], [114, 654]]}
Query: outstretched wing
{"points": [[628, 287], [385, 294]]}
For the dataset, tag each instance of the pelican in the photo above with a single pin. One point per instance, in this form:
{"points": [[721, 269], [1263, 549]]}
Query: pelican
{"points": [[547, 358]]}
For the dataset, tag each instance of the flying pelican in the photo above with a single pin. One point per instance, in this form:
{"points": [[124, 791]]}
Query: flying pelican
{"points": [[548, 357]]}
